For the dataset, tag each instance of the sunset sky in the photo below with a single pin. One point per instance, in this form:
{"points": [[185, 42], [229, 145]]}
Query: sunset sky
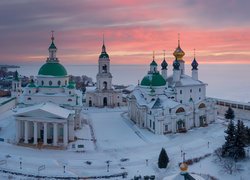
{"points": [[217, 29]]}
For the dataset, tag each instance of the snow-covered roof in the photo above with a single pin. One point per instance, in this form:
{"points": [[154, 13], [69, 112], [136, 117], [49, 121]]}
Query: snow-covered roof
{"points": [[185, 80], [47, 107], [156, 101], [90, 89]]}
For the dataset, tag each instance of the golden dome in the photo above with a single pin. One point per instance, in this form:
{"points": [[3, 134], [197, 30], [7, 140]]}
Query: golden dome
{"points": [[179, 53], [183, 167]]}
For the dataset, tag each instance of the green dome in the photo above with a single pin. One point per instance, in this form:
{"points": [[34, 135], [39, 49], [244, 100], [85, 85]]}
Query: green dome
{"points": [[71, 85], [154, 79], [153, 63], [52, 69]]}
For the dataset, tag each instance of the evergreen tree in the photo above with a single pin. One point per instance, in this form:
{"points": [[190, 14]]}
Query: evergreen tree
{"points": [[229, 114], [238, 147], [163, 159], [227, 148]]}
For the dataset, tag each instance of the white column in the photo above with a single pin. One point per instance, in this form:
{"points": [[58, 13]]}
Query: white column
{"points": [[45, 133], [35, 132], [65, 134], [55, 134], [18, 129], [25, 131]]}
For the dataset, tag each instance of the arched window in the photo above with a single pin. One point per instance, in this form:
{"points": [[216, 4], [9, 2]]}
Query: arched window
{"points": [[180, 110], [59, 83], [42, 83], [29, 98], [202, 105], [105, 84], [50, 83], [69, 92]]}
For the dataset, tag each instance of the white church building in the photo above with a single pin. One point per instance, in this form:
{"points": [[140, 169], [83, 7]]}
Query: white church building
{"points": [[51, 105], [103, 94], [169, 104]]}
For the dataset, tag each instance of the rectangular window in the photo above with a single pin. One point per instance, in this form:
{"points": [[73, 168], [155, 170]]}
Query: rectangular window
{"points": [[199, 89], [240, 106], [233, 105], [166, 127], [247, 108], [180, 91], [150, 124], [180, 101], [153, 125], [191, 90]]}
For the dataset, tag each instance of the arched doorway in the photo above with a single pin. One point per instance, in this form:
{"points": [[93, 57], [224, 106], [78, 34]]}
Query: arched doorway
{"points": [[90, 103], [105, 101]]}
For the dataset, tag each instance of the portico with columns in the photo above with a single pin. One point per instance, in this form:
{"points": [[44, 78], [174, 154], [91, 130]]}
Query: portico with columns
{"points": [[46, 124]]}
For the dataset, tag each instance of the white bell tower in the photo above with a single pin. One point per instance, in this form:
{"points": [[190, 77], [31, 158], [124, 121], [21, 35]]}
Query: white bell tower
{"points": [[104, 77]]}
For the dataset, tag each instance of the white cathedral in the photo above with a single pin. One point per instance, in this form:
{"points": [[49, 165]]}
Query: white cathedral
{"points": [[51, 103], [169, 104], [103, 94]]}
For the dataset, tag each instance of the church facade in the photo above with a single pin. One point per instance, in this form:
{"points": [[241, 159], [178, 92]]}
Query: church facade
{"points": [[103, 94], [52, 105], [169, 104]]}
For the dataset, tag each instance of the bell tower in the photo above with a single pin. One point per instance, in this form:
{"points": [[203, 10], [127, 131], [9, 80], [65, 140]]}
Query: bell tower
{"points": [[104, 77]]}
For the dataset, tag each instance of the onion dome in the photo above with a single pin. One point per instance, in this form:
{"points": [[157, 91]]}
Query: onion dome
{"points": [[16, 76], [52, 45], [32, 84], [176, 64], [103, 54], [71, 85], [194, 65], [164, 64], [153, 63], [153, 79], [179, 53]]}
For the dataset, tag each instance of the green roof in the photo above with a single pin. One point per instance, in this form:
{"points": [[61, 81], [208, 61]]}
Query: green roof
{"points": [[104, 55], [52, 45], [52, 69], [154, 79], [153, 63], [71, 85]]}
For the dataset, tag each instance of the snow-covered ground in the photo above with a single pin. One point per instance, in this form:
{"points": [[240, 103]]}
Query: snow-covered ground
{"points": [[108, 135]]}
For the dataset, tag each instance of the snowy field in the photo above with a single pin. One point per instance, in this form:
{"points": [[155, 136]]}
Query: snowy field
{"points": [[108, 135]]}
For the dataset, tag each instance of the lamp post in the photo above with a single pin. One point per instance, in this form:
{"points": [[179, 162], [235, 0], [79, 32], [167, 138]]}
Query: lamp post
{"points": [[20, 162], [108, 165], [191, 100]]}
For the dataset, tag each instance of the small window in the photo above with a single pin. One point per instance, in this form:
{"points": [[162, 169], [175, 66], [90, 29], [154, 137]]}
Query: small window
{"points": [[29, 98], [50, 83], [191, 90], [59, 83], [117, 97], [153, 125], [199, 89], [69, 100], [66, 82], [180, 101], [69, 92], [42, 83], [150, 124], [29, 91], [166, 127], [180, 91]]}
